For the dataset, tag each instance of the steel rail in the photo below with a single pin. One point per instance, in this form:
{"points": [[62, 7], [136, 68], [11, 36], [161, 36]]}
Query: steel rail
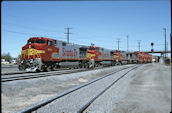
{"points": [[7, 79], [59, 69], [44, 74], [33, 108], [3, 74], [82, 109], [24, 72]]}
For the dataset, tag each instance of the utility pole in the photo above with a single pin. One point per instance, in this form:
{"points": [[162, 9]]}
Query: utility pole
{"points": [[139, 44], [118, 42], [127, 44], [68, 34], [165, 43], [167, 49]]}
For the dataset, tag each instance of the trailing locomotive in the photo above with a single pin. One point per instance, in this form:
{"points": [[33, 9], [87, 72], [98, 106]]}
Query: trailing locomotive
{"points": [[45, 54], [99, 56]]}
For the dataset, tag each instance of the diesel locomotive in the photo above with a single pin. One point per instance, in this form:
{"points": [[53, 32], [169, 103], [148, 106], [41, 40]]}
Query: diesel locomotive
{"points": [[45, 54]]}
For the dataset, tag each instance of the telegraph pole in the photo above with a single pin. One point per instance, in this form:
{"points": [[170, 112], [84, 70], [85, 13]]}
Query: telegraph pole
{"points": [[68, 34], [139, 44], [127, 44], [165, 43], [167, 49], [118, 42]]}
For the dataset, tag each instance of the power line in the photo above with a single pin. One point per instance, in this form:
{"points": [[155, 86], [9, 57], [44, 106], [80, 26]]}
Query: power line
{"points": [[17, 32], [29, 34], [33, 27]]}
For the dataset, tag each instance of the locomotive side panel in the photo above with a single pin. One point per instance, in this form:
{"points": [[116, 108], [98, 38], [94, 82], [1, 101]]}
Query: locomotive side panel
{"points": [[133, 58], [105, 54], [67, 51]]}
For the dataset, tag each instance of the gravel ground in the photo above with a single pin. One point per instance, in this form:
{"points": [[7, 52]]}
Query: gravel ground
{"points": [[17, 95], [74, 101], [9, 68], [147, 91]]}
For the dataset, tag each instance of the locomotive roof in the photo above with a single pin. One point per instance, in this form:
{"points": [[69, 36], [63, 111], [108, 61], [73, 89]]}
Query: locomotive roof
{"points": [[41, 38], [44, 38]]}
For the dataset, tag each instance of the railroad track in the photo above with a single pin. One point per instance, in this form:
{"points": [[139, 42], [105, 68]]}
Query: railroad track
{"points": [[38, 75], [24, 72], [83, 108], [36, 107], [59, 69], [30, 75]]}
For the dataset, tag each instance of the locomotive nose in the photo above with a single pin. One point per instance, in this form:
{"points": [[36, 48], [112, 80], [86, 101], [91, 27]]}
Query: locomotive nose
{"points": [[90, 55], [30, 51]]}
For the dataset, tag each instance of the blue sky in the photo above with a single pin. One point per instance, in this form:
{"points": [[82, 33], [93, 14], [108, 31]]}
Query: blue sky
{"points": [[98, 22]]}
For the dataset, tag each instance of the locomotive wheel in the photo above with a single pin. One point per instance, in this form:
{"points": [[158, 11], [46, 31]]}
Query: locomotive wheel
{"points": [[48, 68], [21, 67], [53, 68]]}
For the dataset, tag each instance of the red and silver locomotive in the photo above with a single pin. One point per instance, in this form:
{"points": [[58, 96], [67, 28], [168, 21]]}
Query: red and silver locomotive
{"points": [[42, 53], [45, 54]]}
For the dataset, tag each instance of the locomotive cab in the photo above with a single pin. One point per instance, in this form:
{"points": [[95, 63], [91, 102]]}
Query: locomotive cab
{"points": [[35, 52], [34, 48], [93, 52], [92, 55], [117, 55]]}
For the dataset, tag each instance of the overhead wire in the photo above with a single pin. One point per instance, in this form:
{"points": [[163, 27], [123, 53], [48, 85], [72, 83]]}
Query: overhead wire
{"points": [[33, 27], [30, 34], [18, 25]]}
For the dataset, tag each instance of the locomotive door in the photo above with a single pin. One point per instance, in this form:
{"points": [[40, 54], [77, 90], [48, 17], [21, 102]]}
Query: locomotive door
{"points": [[49, 50], [82, 51]]}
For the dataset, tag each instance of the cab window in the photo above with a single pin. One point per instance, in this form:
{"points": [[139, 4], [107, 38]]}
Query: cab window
{"points": [[91, 48], [30, 41], [55, 42], [49, 43], [40, 41]]}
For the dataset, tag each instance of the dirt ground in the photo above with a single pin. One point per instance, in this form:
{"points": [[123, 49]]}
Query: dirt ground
{"points": [[18, 95], [148, 92]]}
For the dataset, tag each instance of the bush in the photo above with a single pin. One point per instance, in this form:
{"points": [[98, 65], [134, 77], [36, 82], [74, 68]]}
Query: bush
{"points": [[7, 57]]}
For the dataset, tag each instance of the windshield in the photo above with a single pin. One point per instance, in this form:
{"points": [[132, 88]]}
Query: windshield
{"points": [[91, 48], [30, 41], [40, 41]]}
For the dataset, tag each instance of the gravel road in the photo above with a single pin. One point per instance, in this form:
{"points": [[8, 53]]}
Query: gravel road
{"points": [[17, 95], [147, 91]]}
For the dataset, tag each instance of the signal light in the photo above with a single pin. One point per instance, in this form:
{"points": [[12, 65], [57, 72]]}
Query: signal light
{"points": [[152, 50]]}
